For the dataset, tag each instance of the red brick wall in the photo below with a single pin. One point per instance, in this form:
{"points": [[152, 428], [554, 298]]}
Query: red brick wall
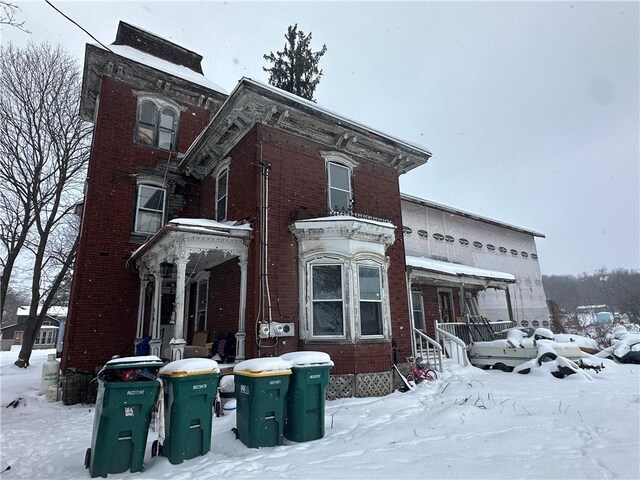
{"points": [[431, 306], [297, 180], [104, 300]]}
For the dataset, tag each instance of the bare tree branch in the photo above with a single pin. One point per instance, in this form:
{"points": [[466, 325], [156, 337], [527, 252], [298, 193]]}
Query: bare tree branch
{"points": [[8, 12], [44, 147]]}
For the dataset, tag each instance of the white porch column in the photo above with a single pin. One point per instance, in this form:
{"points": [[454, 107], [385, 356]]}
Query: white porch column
{"points": [[411, 321], [241, 334], [156, 315], [178, 342], [141, 306]]}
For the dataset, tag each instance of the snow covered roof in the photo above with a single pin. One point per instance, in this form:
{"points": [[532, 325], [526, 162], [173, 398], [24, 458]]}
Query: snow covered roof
{"points": [[208, 224], [53, 311], [165, 66], [340, 118], [475, 216], [258, 102], [457, 270], [337, 218]]}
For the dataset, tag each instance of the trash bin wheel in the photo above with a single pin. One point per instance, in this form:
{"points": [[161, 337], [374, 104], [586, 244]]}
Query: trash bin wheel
{"points": [[87, 458], [155, 448]]}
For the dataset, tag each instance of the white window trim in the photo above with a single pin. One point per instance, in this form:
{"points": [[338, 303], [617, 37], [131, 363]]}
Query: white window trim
{"points": [[357, 299], [157, 186], [328, 262], [223, 166], [342, 160], [350, 295], [421, 310]]}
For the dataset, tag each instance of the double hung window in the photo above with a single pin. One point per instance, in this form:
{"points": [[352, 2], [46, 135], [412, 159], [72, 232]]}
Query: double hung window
{"points": [[370, 290], [150, 209], [339, 187], [418, 310], [327, 300]]}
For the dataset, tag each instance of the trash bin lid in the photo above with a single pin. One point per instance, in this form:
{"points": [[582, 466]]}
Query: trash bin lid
{"points": [[143, 361], [263, 367], [190, 366], [308, 358]]}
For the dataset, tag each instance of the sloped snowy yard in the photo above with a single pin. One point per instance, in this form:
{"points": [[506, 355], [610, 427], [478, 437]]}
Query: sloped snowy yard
{"points": [[469, 424]]}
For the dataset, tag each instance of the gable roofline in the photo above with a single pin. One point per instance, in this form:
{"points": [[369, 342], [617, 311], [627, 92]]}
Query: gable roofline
{"points": [[283, 104], [463, 213]]}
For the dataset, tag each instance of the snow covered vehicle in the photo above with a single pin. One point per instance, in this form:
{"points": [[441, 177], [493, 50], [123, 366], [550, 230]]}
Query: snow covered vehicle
{"points": [[517, 349], [625, 346]]}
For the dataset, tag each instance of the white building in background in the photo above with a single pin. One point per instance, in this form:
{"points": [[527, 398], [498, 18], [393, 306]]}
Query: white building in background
{"points": [[449, 236]]}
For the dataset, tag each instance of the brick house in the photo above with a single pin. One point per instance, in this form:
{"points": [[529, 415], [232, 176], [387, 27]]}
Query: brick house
{"points": [[256, 213]]}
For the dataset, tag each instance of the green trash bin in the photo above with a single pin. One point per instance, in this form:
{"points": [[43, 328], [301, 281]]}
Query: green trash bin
{"points": [[127, 393], [306, 396], [190, 386], [261, 388]]}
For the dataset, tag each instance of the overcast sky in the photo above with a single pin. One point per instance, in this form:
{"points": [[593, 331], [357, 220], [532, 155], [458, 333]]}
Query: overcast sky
{"points": [[531, 110]]}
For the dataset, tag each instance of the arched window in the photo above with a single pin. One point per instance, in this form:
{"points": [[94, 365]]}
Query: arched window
{"points": [[157, 124]]}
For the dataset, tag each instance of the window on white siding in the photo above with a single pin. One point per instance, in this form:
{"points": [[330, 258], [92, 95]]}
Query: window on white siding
{"points": [[418, 310], [222, 181], [157, 125], [327, 301], [339, 187], [150, 209]]}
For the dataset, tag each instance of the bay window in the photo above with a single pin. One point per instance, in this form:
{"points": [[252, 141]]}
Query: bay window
{"points": [[370, 290], [328, 300]]}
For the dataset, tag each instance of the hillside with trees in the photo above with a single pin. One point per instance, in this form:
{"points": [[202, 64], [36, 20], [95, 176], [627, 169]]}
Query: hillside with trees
{"points": [[618, 289]]}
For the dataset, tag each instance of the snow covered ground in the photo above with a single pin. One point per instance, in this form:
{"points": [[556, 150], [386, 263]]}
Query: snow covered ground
{"points": [[468, 424]]}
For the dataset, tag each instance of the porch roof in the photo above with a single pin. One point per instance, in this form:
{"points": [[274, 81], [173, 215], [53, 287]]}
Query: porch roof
{"points": [[457, 271], [193, 235]]}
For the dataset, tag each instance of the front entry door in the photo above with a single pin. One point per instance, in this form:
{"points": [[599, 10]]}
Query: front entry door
{"points": [[445, 303]]}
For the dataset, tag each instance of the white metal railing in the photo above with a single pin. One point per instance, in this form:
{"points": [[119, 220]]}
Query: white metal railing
{"points": [[428, 349], [475, 331], [453, 345]]}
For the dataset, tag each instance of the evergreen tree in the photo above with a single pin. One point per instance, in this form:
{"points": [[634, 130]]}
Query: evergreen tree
{"points": [[295, 69]]}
